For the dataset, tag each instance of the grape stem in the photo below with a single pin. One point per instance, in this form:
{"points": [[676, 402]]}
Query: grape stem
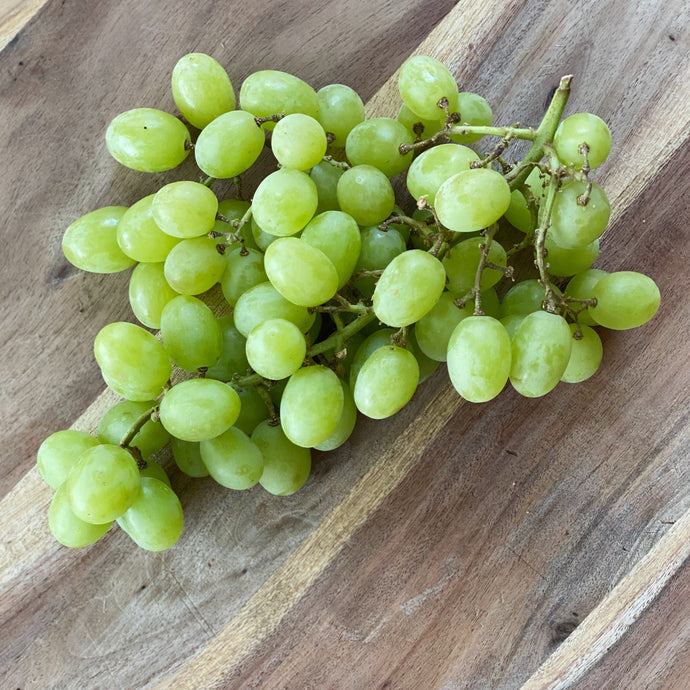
{"points": [[209, 181], [133, 431], [336, 164], [420, 226], [444, 134], [476, 292], [337, 339]]}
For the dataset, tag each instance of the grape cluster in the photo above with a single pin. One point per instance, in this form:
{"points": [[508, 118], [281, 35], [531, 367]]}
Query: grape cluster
{"points": [[338, 300]]}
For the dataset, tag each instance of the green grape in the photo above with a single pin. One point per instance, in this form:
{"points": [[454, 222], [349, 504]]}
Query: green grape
{"points": [[340, 110], [139, 237], [102, 484], [191, 334], [133, 363], [233, 459], [264, 302], [253, 411], [312, 335], [243, 270], [232, 359], [372, 342], [346, 425], [366, 194], [235, 209], [155, 471], [518, 213], [378, 248], [286, 465], [472, 199], [337, 235], [461, 264], [284, 202], [58, 453], [578, 129], [525, 297], [625, 299], [300, 272], [585, 356], [540, 353], [194, 266], [276, 349], [512, 323], [479, 357], [199, 409], [386, 382], [201, 89], [491, 304], [581, 286], [474, 111], [149, 292], [412, 120], [155, 520], [311, 406], [568, 262], [269, 92], [147, 140], [408, 288], [427, 366], [185, 209], [261, 238], [325, 176], [422, 82], [67, 528], [434, 329], [276, 391], [187, 456], [574, 225], [298, 141], [90, 243], [229, 145], [434, 166], [376, 142], [120, 418]]}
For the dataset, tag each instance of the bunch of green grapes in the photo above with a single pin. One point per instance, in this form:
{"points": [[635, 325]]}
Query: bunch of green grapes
{"points": [[338, 302]]}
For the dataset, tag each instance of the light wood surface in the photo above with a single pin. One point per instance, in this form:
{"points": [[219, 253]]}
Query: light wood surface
{"points": [[453, 546]]}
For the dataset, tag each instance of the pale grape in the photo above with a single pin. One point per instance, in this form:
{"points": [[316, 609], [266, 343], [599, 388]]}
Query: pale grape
{"points": [[275, 349], [581, 286], [311, 406], [155, 520], [512, 323], [340, 110], [540, 353], [199, 409], [147, 140], [518, 213], [372, 342], [434, 329], [300, 272], [419, 126], [286, 465], [232, 359], [409, 287], [422, 82], [376, 142], [139, 236], [525, 297], [585, 356], [472, 199], [575, 225], [474, 111], [427, 366], [325, 176], [346, 425], [102, 484], [479, 358], [243, 270], [185, 209], [119, 419], [366, 194], [149, 292], [578, 129], [201, 89], [90, 243], [386, 382], [155, 471], [233, 459], [67, 528], [261, 238], [254, 409], [625, 299], [187, 456], [284, 202], [133, 363], [58, 453], [462, 260], [298, 141], [568, 262], [194, 266]]}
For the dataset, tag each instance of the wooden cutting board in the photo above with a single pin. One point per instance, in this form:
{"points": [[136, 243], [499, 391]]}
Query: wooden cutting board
{"points": [[520, 543]]}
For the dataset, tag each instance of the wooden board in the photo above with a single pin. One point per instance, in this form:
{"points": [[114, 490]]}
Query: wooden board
{"points": [[454, 546]]}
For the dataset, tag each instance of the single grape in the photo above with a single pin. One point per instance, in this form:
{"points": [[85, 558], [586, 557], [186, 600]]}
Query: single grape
{"points": [[479, 358], [311, 406], [524, 297], [58, 453], [194, 266], [276, 349], [298, 141], [67, 528], [147, 140], [199, 409], [585, 356], [475, 111], [120, 418], [409, 287], [102, 484], [261, 238], [155, 471], [346, 425], [187, 456], [229, 145], [472, 199], [366, 194], [386, 382], [184, 209], [254, 409], [540, 353], [133, 363], [340, 110], [579, 129], [232, 359], [376, 142], [300, 272], [434, 329], [427, 366], [325, 176], [201, 89], [581, 286], [90, 243], [243, 270], [233, 459], [573, 224], [625, 299], [568, 262], [149, 292], [155, 520], [422, 82], [518, 213], [462, 260], [421, 127], [286, 465], [512, 323]]}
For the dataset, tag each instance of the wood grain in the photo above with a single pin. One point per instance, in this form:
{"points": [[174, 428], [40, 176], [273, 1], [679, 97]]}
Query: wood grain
{"points": [[454, 546]]}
